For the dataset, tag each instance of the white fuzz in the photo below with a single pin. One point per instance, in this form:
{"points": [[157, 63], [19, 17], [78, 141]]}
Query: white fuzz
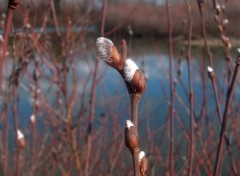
{"points": [[225, 21], [38, 91], [129, 124], [19, 134], [129, 69], [238, 50], [141, 155], [229, 45], [218, 7], [210, 69], [105, 49], [223, 7], [28, 25], [1, 38], [33, 118]]}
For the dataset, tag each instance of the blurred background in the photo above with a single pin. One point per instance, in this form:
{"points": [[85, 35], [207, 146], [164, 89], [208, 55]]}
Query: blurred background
{"points": [[79, 126]]}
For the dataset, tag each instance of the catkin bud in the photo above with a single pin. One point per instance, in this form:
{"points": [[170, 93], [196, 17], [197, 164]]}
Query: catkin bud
{"points": [[225, 22], [131, 137], [143, 164], [218, 9], [109, 53], [139, 82], [1, 44], [21, 139], [226, 41], [33, 119], [210, 72], [134, 76]]}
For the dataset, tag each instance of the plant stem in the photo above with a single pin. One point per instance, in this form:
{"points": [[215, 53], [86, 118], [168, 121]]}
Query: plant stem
{"points": [[5, 44], [171, 106], [134, 98], [15, 114], [204, 33], [5, 165], [191, 154], [213, 80], [217, 169]]}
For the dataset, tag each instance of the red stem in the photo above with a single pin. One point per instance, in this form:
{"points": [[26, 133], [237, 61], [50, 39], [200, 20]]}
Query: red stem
{"points": [[217, 169], [171, 106], [191, 154], [5, 44]]}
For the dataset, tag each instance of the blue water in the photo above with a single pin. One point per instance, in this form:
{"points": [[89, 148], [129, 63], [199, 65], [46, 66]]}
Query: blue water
{"points": [[112, 100]]}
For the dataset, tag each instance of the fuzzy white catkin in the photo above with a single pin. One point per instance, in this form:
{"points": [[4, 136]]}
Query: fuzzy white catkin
{"points": [[33, 118], [19, 134], [129, 124], [129, 69], [1, 38], [210, 69], [105, 49], [141, 155], [238, 50]]}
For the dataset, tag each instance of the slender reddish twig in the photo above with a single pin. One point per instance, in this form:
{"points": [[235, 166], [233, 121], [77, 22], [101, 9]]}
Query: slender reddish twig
{"points": [[15, 114], [93, 92], [204, 32], [12, 4], [171, 105], [230, 92], [189, 53], [213, 80]]}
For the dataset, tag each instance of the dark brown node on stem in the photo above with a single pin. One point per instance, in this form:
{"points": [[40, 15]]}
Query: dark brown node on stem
{"points": [[131, 139], [12, 4], [139, 82]]}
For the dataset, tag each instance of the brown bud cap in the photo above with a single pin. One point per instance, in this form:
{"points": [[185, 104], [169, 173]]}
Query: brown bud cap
{"points": [[139, 82], [143, 164], [21, 140], [117, 62], [131, 137], [22, 143]]}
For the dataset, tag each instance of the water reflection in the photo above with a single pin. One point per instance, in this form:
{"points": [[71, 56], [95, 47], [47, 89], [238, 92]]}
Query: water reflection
{"points": [[112, 98]]}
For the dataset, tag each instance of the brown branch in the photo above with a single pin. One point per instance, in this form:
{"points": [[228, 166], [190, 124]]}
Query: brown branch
{"points": [[171, 105], [219, 157], [192, 144]]}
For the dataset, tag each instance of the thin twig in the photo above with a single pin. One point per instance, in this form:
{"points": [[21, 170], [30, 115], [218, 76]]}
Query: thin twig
{"points": [[93, 94], [217, 169], [171, 105], [189, 53]]}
